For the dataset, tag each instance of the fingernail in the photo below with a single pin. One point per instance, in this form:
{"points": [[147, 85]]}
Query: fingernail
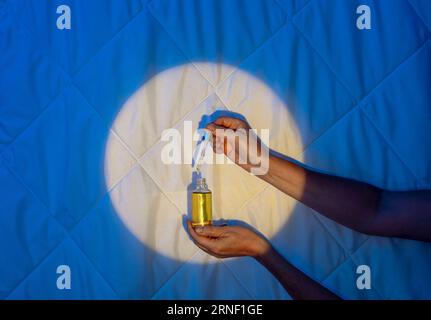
{"points": [[199, 229]]}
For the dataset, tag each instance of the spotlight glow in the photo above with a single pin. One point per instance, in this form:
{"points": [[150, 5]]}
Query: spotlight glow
{"points": [[150, 197]]}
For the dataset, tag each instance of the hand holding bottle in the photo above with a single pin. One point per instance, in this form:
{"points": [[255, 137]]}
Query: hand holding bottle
{"points": [[228, 241]]}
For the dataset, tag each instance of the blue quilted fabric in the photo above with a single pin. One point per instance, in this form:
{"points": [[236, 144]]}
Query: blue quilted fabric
{"points": [[361, 100]]}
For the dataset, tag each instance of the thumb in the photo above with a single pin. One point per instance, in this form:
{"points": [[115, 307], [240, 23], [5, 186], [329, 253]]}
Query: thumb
{"points": [[208, 231]]}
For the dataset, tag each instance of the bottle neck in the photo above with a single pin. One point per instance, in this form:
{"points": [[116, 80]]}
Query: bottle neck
{"points": [[201, 185]]}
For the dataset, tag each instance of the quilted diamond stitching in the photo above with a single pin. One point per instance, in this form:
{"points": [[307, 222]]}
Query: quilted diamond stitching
{"points": [[340, 266], [243, 285], [99, 114], [166, 197], [88, 61], [70, 77], [365, 99], [295, 13], [131, 153], [45, 212], [67, 236], [331, 73], [389, 144], [173, 274], [252, 53], [79, 252], [409, 108], [52, 68], [337, 78], [90, 57], [67, 75], [222, 264], [384, 75], [359, 104], [262, 44], [44, 204], [136, 159], [419, 15]]}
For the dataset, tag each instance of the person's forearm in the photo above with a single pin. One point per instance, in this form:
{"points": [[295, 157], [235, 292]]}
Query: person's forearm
{"points": [[351, 203], [297, 284]]}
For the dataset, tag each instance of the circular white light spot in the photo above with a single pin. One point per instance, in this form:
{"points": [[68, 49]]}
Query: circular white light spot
{"points": [[150, 197]]}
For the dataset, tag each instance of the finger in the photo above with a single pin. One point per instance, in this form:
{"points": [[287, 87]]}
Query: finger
{"points": [[201, 240], [209, 231], [230, 122], [206, 244], [217, 136], [214, 145], [227, 147], [219, 147], [212, 127], [207, 250], [192, 230], [218, 141]]}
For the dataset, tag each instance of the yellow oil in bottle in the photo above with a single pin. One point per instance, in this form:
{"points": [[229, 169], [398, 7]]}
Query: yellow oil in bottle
{"points": [[201, 204]]}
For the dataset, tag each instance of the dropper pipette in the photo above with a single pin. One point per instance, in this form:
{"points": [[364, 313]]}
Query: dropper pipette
{"points": [[200, 151]]}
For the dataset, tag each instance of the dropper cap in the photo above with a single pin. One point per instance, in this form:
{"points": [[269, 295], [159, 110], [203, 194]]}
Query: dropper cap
{"points": [[201, 184]]}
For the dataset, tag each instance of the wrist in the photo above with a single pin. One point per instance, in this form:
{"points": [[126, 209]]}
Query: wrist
{"points": [[261, 248], [248, 166]]}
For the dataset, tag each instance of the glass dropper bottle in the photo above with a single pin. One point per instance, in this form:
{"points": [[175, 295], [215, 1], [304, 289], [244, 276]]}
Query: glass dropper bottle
{"points": [[201, 204]]}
